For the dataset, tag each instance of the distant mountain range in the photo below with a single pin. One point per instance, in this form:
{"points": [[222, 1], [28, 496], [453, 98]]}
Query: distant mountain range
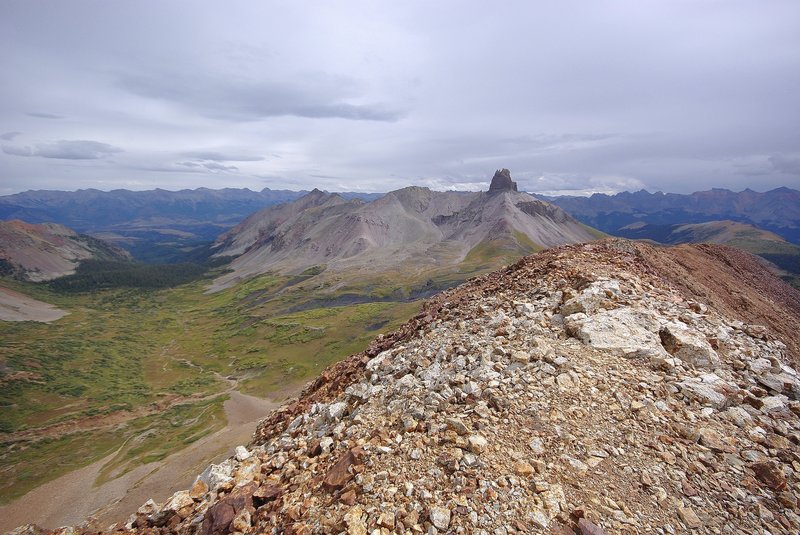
{"points": [[48, 251], [777, 210], [410, 232], [171, 226], [155, 225]]}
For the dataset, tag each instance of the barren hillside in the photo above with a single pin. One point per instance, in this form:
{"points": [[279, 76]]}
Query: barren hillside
{"points": [[47, 251]]}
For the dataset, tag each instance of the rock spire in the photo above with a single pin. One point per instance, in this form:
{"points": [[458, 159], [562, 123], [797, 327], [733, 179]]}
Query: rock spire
{"points": [[502, 182]]}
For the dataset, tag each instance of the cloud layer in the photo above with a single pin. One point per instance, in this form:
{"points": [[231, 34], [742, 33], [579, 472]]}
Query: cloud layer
{"points": [[573, 96], [64, 150]]}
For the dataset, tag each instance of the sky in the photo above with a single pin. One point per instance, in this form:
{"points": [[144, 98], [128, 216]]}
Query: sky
{"points": [[573, 97]]}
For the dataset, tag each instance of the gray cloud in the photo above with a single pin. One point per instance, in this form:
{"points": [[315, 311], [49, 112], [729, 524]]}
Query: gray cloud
{"points": [[75, 150], [43, 115], [8, 136], [785, 164], [222, 156], [572, 96], [213, 166], [17, 151], [318, 97], [65, 150], [188, 168]]}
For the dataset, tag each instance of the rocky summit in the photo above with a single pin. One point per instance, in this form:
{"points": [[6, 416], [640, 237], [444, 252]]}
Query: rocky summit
{"points": [[610, 387], [501, 181]]}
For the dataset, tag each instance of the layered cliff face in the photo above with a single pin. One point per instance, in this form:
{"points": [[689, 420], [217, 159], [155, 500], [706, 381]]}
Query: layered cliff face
{"points": [[610, 387]]}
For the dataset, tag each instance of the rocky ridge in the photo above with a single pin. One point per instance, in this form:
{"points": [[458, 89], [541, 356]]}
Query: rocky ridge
{"points": [[595, 388]]}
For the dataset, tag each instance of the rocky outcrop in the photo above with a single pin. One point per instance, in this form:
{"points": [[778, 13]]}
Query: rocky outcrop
{"points": [[501, 181], [512, 404]]}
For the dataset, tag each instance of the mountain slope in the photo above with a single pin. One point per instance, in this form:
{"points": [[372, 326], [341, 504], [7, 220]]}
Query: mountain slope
{"points": [[611, 387], [777, 210], [412, 229], [264, 222], [784, 255], [48, 251]]}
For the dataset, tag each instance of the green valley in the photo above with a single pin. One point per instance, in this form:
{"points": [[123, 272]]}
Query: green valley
{"points": [[144, 372]]}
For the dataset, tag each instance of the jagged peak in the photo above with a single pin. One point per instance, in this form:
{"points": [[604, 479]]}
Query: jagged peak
{"points": [[502, 181], [316, 192]]}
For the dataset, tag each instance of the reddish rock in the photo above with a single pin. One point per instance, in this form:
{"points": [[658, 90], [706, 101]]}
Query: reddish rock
{"points": [[521, 526], [770, 474], [556, 528], [711, 439], [173, 522], [690, 518], [348, 497], [198, 490], [590, 528], [753, 401], [219, 517], [298, 529], [788, 500], [267, 493], [294, 512], [339, 474], [314, 448], [688, 489]]}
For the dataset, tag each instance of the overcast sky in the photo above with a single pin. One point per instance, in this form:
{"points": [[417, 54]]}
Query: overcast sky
{"points": [[572, 96]]}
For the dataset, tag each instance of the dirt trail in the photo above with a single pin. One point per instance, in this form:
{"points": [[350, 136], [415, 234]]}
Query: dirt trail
{"points": [[72, 498]]}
